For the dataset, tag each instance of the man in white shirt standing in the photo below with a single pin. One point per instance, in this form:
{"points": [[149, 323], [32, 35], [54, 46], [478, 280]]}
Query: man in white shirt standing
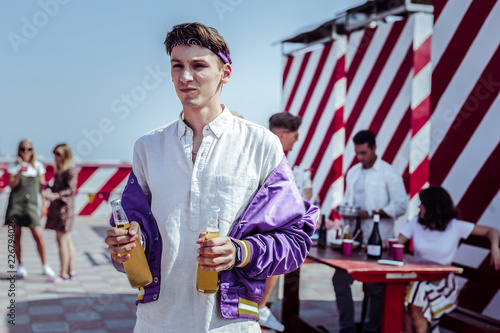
{"points": [[208, 158], [375, 187]]}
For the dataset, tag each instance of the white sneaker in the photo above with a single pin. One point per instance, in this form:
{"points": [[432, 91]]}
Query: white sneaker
{"points": [[267, 319], [47, 270], [22, 272]]}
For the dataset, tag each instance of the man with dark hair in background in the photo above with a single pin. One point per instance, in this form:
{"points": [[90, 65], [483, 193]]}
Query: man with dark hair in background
{"points": [[375, 187]]}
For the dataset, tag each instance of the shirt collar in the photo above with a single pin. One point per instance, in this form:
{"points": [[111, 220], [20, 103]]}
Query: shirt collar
{"points": [[217, 126]]}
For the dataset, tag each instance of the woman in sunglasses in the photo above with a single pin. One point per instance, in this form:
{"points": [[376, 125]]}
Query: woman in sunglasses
{"points": [[61, 213], [25, 178]]}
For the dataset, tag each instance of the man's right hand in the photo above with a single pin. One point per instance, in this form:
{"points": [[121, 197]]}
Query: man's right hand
{"points": [[122, 241]]}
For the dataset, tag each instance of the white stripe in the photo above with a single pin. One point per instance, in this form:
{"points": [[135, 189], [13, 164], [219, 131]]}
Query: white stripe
{"points": [[446, 25], [248, 307], [312, 107], [492, 309], [470, 256], [402, 157], [291, 78], [306, 81], [337, 194], [421, 86], [490, 214], [423, 28], [366, 66], [355, 39], [466, 76], [97, 180], [419, 146], [479, 147]]}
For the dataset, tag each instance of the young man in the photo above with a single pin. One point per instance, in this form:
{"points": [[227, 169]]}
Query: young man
{"points": [[286, 127], [375, 186], [208, 158]]}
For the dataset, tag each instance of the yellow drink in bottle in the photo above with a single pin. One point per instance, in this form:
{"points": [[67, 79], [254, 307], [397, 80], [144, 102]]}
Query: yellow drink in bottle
{"points": [[136, 266], [208, 282]]}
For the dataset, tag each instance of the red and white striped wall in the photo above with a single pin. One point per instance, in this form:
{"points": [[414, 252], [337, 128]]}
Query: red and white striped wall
{"points": [[97, 185], [465, 122], [428, 86]]}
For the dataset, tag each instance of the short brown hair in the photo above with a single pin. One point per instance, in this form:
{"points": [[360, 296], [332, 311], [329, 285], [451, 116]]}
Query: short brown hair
{"points": [[206, 36], [284, 120]]}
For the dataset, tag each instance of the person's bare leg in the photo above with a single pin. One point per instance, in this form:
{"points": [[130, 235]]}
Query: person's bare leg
{"points": [[407, 325], [418, 319], [270, 282], [36, 232], [71, 251], [17, 243], [62, 244]]}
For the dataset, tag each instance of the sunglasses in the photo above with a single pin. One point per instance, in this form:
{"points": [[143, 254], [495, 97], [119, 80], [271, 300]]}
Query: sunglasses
{"points": [[23, 149], [57, 153]]}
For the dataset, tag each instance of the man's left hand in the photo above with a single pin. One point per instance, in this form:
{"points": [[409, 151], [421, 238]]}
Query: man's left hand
{"points": [[216, 254]]}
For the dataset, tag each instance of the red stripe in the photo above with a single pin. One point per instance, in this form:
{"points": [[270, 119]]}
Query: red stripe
{"points": [[359, 55], [458, 46], [334, 173], [337, 74], [289, 61], [467, 120], [103, 193], [85, 174], [336, 124], [398, 137], [296, 84], [438, 8], [422, 56], [4, 181], [379, 65], [419, 177], [420, 116], [393, 92], [482, 189], [315, 79], [406, 178]]}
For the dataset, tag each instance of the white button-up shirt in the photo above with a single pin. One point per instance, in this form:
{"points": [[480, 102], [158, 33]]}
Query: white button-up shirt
{"points": [[234, 159], [383, 189]]}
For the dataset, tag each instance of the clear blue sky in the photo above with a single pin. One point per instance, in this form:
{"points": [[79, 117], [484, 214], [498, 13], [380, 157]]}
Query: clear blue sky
{"points": [[95, 74]]}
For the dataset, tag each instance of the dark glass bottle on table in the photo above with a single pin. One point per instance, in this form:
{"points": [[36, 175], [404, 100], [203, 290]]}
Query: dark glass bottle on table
{"points": [[374, 245], [322, 233], [358, 233]]}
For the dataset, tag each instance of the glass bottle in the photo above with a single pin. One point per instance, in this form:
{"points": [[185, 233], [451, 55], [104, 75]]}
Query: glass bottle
{"points": [[347, 234], [358, 233], [207, 282], [136, 266], [374, 246], [322, 233]]}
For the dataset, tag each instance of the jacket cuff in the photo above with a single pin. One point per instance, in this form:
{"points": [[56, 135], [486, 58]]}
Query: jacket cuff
{"points": [[245, 252]]}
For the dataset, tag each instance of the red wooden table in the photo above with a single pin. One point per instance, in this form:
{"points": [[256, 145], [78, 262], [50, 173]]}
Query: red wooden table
{"points": [[394, 278]]}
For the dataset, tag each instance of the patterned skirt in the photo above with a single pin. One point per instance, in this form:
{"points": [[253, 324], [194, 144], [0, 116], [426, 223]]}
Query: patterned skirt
{"points": [[434, 297]]}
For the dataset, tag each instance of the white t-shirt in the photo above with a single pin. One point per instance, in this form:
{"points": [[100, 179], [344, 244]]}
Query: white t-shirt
{"points": [[233, 161], [31, 171], [302, 178], [433, 246]]}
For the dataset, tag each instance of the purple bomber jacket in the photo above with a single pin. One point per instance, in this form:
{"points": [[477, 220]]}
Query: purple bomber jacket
{"points": [[273, 233]]}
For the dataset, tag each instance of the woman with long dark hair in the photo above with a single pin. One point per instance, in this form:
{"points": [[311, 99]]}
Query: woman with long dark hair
{"points": [[61, 213], [436, 234], [25, 178]]}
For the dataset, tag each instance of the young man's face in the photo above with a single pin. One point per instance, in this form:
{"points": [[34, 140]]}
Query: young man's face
{"points": [[288, 138], [197, 75], [365, 154]]}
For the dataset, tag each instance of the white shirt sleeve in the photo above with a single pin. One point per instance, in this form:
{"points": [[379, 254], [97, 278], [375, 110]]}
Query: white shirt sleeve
{"points": [[409, 228], [40, 168], [13, 168], [398, 199]]}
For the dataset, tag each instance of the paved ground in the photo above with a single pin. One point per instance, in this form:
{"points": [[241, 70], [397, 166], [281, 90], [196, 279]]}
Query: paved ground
{"points": [[100, 300]]}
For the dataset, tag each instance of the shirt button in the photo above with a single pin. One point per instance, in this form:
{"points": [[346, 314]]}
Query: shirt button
{"points": [[224, 312], [224, 297], [131, 181], [155, 279], [195, 204], [155, 297], [156, 239]]}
